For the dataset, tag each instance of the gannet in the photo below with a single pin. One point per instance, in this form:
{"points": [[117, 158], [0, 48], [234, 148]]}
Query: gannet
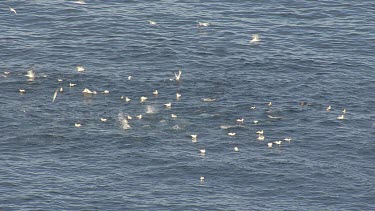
{"points": [[139, 116], [155, 92], [153, 23], [240, 120], [128, 99], [129, 117], [178, 76], [253, 107], [261, 138], [103, 119], [340, 117], [143, 99], [129, 77], [168, 105], [80, 68], [269, 145], [203, 24], [59, 80], [203, 151], [202, 179], [77, 125], [328, 108], [22, 91], [194, 138], [254, 38], [61, 89], [71, 84], [12, 10], [344, 111], [277, 142], [255, 121], [287, 139], [236, 149], [231, 134], [105, 92], [260, 132], [270, 104], [178, 95], [173, 115]]}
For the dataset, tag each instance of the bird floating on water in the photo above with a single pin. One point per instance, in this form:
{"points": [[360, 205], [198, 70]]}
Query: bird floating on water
{"points": [[13, 10], [105, 92], [139, 116], [254, 38], [129, 77], [288, 139], [153, 23], [240, 120], [103, 119], [178, 95], [80, 68], [143, 99], [341, 117], [328, 108], [253, 107], [71, 84], [269, 145], [88, 91], [22, 91], [344, 111], [203, 24], [231, 134], [260, 132], [277, 142], [61, 89], [236, 149], [168, 105], [270, 104], [155, 92], [261, 138], [173, 115], [203, 151], [255, 121], [77, 125], [194, 138], [202, 179]]}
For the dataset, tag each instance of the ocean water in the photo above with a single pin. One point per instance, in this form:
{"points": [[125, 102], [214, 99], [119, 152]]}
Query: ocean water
{"points": [[317, 52]]}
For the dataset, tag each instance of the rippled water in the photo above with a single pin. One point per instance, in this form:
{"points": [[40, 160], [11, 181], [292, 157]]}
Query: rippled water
{"points": [[319, 52]]}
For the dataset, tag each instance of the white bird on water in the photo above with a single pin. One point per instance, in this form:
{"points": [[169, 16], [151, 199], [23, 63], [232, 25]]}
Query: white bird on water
{"points": [[103, 119], [153, 23], [168, 105], [254, 38], [261, 138], [260, 132], [173, 115], [194, 138], [236, 149], [155, 92], [341, 117], [203, 151], [13, 10], [61, 89], [22, 91], [178, 95], [139, 116], [105, 92], [129, 77], [203, 24], [231, 134], [71, 84], [202, 179], [269, 145], [143, 99], [30, 74], [80, 68], [240, 120], [77, 125], [178, 76], [88, 91]]}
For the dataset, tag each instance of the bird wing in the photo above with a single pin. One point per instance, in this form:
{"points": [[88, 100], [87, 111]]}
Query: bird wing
{"points": [[55, 95]]}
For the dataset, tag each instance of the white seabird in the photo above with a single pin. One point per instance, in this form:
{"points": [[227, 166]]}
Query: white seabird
{"points": [[254, 38]]}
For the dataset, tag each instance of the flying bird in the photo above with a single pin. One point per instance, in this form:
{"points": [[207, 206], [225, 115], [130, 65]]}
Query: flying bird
{"points": [[12, 10], [55, 95]]}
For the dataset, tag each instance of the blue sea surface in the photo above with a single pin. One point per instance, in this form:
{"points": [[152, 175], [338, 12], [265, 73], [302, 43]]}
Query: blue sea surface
{"points": [[311, 55]]}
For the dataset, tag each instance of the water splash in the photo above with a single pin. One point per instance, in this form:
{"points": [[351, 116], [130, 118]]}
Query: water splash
{"points": [[123, 121], [150, 109]]}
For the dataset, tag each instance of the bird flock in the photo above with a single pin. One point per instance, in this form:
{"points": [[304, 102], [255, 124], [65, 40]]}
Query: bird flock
{"points": [[125, 119]]}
